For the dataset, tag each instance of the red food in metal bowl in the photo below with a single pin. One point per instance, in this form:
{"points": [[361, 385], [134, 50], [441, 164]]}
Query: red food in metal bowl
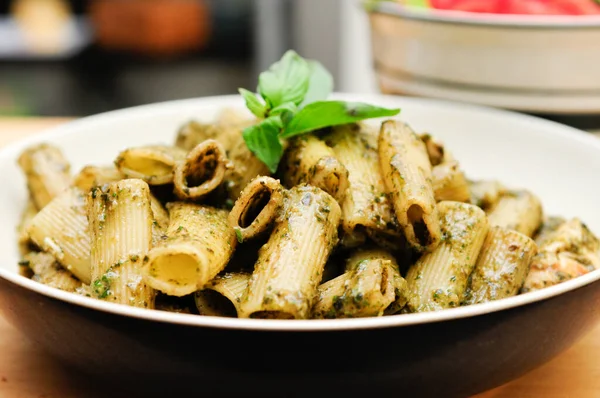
{"points": [[533, 7]]}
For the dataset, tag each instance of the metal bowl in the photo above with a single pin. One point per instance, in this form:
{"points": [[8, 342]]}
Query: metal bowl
{"points": [[541, 64]]}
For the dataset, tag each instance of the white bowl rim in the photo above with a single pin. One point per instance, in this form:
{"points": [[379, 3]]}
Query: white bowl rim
{"points": [[325, 325], [488, 20]]}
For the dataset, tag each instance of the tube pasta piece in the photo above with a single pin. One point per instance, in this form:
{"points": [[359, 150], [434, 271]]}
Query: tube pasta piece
{"points": [[371, 287], [309, 160], [486, 193], [47, 271], [375, 253], [61, 229], [435, 150], [501, 267], [366, 210], [256, 208], [549, 225], [439, 279], [290, 265], [199, 244], [449, 183], [160, 220], [153, 163], [120, 219], [521, 211], [570, 251], [93, 176], [226, 129], [407, 176], [202, 171], [246, 167], [159, 213], [47, 172], [372, 253], [193, 133], [223, 295], [328, 303]]}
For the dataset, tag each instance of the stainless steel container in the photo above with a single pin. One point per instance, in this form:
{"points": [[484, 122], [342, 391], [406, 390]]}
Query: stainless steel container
{"points": [[541, 64]]}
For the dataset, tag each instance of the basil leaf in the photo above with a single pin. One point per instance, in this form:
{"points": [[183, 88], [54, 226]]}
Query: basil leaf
{"points": [[332, 113], [253, 103], [285, 111], [263, 140], [285, 81], [320, 84]]}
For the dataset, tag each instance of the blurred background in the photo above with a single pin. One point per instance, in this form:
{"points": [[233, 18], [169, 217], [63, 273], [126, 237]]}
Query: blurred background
{"points": [[80, 57]]}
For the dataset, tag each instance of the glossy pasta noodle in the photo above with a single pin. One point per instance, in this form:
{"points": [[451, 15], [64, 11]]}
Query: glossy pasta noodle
{"points": [[359, 220], [290, 265], [406, 172], [120, 218], [367, 212]]}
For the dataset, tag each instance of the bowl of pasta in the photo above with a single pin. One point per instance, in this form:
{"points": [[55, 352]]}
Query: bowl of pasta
{"points": [[446, 250]]}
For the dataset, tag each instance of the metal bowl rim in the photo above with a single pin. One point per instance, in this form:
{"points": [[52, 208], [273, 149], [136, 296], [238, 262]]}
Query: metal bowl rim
{"points": [[504, 21]]}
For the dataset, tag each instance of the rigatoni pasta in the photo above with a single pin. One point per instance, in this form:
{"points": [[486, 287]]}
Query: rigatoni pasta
{"points": [[486, 193], [48, 271], [439, 279], [450, 183], [201, 172], [290, 265], [47, 172], [368, 253], [61, 229], [366, 291], [256, 208], [120, 220], [435, 150], [406, 173], [502, 266], [153, 163], [371, 286], [199, 243], [359, 220], [93, 176], [160, 220], [226, 129], [223, 295], [310, 161], [366, 210], [246, 167], [519, 210]]}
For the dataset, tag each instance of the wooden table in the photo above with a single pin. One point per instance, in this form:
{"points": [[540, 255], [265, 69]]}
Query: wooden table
{"points": [[28, 372]]}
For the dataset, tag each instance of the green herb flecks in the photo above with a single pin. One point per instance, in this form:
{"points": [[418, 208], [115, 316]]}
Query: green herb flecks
{"points": [[238, 235], [101, 286]]}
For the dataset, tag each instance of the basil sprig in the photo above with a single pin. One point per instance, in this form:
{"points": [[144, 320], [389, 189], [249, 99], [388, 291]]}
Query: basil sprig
{"points": [[291, 101]]}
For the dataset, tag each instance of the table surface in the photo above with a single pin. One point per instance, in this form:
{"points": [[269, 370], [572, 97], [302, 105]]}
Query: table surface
{"points": [[28, 372]]}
